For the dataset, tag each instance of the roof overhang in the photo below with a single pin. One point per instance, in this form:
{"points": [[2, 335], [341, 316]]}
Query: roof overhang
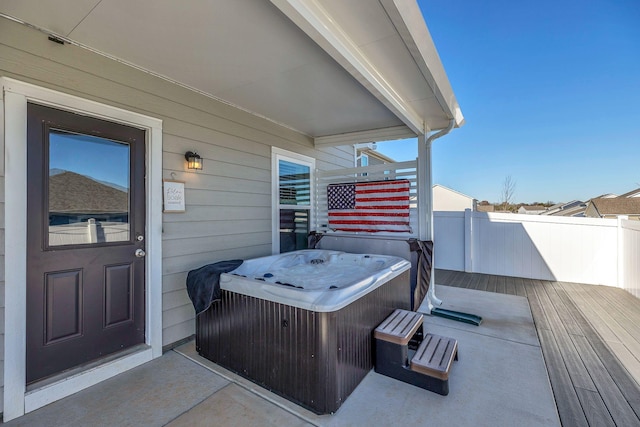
{"points": [[341, 72]]}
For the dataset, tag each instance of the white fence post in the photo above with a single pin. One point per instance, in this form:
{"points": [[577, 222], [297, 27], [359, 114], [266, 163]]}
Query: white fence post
{"points": [[620, 253], [468, 241]]}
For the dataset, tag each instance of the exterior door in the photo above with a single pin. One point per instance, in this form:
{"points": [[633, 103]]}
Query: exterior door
{"points": [[85, 240]]}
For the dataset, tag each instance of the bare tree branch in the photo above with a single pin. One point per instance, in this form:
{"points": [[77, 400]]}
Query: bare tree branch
{"points": [[508, 190]]}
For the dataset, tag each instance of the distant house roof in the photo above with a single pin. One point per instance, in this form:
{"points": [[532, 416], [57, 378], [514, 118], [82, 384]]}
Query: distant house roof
{"points": [[70, 192], [485, 208], [573, 211], [616, 206], [533, 208], [578, 211], [632, 193], [559, 208]]}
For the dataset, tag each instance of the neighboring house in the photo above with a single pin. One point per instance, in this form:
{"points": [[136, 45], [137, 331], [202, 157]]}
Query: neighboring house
{"points": [[486, 207], [576, 211], [573, 208], [367, 155], [613, 207], [72, 194], [83, 210], [267, 93], [632, 193], [531, 209], [446, 199]]}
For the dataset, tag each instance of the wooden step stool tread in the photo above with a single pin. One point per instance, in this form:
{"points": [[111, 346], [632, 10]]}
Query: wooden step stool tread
{"points": [[435, 356], [399, 327]]}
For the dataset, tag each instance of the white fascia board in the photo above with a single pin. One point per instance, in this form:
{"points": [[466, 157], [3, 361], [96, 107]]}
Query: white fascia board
{"points": [[318, 24], [375, 135], [409, 22]]}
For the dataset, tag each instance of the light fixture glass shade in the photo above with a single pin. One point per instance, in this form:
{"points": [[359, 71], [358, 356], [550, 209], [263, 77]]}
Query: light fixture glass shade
{"points": [[194, 161]]}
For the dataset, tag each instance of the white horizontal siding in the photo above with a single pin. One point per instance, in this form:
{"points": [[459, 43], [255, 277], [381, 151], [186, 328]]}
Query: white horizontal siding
{"points": [[228, 203], [178, 331]]}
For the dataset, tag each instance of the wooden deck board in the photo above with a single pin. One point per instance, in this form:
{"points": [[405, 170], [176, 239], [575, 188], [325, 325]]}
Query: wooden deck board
{"points": [[482, 282], [539, 317], [491, 283], [624, 309], [520, 290], [572, 359], [567, 402], [594, 408], [510, 287], [590, 339], [562, 303], [608, 390], [611, 327], [615, 366]]}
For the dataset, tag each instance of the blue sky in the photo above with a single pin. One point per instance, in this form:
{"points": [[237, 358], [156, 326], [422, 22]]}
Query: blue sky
{"points": [[98, 158], [550, 91]]}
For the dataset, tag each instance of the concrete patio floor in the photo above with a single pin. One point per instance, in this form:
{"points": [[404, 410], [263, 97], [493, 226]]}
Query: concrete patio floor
{"points": [[500, 380]]}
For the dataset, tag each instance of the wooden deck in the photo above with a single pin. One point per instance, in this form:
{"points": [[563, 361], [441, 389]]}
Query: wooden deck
{"points": [[590, 339]]}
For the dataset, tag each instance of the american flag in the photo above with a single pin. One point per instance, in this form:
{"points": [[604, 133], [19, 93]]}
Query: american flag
{"points": [[369, 206]]}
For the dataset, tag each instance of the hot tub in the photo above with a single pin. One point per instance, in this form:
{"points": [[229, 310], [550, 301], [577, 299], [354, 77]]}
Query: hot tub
{"points": [[300, 324]]}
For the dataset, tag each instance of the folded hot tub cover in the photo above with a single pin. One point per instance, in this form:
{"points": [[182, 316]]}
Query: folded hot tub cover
{"points": [[203, 284]]}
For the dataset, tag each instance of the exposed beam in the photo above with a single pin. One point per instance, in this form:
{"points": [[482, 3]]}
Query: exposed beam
{"points": [[318, 24], [375, 135]]}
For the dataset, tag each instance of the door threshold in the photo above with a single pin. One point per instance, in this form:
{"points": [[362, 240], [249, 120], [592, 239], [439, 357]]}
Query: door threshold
{"points": [[64, 375], [71, 381]]}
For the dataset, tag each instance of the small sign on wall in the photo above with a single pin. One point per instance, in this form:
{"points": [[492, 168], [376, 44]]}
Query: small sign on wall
{"points": [[173, 196]]}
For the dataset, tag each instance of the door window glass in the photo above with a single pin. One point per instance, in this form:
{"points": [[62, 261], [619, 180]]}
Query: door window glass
{"points": [[89, 186]]}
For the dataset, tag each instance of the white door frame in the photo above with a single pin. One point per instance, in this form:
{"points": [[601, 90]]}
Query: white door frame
{"points": [[13, 115]]}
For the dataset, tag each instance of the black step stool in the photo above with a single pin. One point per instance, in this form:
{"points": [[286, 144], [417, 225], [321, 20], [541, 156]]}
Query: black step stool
{"points": [[431, 362]]}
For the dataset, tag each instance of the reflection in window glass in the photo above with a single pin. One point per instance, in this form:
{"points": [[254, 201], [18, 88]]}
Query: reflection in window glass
{"points": [[88, 189], [295, 183], [294, 229]]}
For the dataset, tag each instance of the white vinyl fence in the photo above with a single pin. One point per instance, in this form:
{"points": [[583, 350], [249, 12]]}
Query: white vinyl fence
{"points": [[582, 250], [630, 259]]}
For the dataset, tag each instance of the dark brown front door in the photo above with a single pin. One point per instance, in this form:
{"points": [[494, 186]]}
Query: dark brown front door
{"points": [[85, 240]]}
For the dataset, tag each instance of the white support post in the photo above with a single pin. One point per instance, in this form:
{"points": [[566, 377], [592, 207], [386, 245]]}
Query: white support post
{"points": [[468, 241], [92, 230], [425, 208]]}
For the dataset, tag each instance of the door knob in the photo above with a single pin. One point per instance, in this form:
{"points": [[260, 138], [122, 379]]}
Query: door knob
{"points": [[140, 253]]}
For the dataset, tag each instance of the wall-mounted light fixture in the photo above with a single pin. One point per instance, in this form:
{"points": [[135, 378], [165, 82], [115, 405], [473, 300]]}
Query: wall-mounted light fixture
{"points": [[194, 161]]}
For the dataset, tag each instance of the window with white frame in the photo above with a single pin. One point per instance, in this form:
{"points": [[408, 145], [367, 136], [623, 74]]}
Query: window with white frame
{"points": [[363, 160], [292, 196]]}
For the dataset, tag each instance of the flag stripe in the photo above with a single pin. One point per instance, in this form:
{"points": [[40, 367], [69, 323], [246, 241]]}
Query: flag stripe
{"points": [[379, 224], [370, 214], [383, 190], [381, 199]]}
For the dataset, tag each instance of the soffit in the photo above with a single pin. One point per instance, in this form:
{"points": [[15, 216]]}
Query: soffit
{"points": [[250, 54]]}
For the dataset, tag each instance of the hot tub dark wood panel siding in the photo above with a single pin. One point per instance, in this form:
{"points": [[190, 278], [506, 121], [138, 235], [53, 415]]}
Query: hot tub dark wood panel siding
{"points": [[311, 358]]}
